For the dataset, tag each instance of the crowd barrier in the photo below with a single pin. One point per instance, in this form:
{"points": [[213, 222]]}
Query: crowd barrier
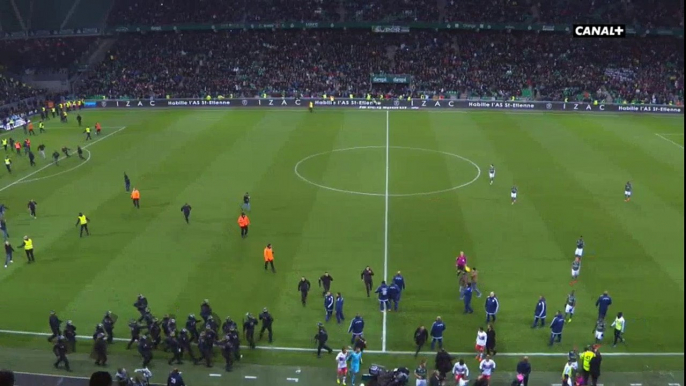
{"points": [[388, 104]]}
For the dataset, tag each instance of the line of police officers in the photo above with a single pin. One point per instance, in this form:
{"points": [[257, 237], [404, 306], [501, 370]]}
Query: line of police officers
{"points": [[206, 332]]}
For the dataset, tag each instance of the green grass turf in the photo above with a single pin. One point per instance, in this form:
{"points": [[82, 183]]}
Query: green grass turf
{"points": [[570, 169]]}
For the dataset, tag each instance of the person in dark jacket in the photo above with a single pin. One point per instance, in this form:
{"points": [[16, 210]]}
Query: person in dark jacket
{"points": [[444, 363], [435, 379], [490, 341], [524, 369], [595, 367], [6, 377]]}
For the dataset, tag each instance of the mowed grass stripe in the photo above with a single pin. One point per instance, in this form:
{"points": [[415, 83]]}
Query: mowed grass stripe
{"points": [[426, 232], [157, 248], [655, 216], [635, 155], [220, 263], [57, 206], [134, 240], [336, 232], [572, 163], [263, 168], [521, 257]]}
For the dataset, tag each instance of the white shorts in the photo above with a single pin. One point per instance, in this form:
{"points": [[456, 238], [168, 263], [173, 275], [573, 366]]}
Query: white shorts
{"points": [[513, 195], [569, 309], [579, 252], [575, 273], [491, 175], [627, 193], [599, 335], [420, 382]]}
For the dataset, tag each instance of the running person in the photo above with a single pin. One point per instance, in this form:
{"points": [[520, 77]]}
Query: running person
{"points": [[491, 174], [342, 364], [576, 268], [246, 202], [599, 330], [487, 366], [579, 251], [513, 194], [460, 371], [570, 306], [627, 191], [480, 346]]}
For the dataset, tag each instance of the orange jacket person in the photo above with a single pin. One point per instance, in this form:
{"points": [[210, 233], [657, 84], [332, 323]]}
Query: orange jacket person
{"points": [[269, 257], [98, 128], [17, 147], [243, 222], [136, 197], [31, 132]]}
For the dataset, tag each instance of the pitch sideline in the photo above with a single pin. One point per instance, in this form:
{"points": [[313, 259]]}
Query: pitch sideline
{"points": [[301, 349]]}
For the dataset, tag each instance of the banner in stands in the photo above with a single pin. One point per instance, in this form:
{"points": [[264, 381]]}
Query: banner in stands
{"points": [[391, 78], [388, 104], [393, 28], [385, 29]]}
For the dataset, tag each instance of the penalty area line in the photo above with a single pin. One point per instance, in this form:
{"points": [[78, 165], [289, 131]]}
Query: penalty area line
{"points": [[388, 352], [33, 173], [670, 141], [60, 173]]}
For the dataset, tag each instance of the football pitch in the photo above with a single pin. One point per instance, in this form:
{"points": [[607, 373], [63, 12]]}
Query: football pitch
{"points": [[337, 190]]}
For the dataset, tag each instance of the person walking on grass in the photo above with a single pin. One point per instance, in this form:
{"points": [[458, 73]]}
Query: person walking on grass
{"points": [[8, 253]]}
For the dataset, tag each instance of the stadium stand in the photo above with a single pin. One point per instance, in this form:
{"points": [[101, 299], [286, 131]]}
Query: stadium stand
{"points": [[449, 64], [44, 55], [12, 90], [637, 12]]}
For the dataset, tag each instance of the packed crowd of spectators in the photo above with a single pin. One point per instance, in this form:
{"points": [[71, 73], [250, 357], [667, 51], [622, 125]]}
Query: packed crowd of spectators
{"points": [[43, 55], [645, 13], [12, 90], [458, 63]]}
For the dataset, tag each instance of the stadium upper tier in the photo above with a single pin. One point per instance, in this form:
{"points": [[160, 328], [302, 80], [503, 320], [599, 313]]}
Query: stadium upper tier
{"points": [[334, 62], [159, 12], [43, 55], [53, 15]]}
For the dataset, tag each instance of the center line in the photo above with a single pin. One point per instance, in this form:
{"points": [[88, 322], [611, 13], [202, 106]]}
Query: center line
{"points": [[385, 239]]}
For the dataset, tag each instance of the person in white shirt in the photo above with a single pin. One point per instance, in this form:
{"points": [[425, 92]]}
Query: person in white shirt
{"points": [[461, 372], [568, 374], [342, 363], [480, 346], [487, 366]]}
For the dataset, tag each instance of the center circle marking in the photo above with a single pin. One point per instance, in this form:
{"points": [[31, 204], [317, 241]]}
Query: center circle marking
{"points": [[297, 172]]}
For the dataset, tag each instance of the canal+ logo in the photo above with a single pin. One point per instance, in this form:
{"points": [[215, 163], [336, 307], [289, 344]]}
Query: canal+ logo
{"points": [[599, 31]]}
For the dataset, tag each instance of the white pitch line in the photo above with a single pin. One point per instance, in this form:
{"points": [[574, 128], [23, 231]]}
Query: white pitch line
{"points": [[51, 165], [60, 173], [385, 233], [17, 129], [670, 141], [250, 377], [313, 350]]}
